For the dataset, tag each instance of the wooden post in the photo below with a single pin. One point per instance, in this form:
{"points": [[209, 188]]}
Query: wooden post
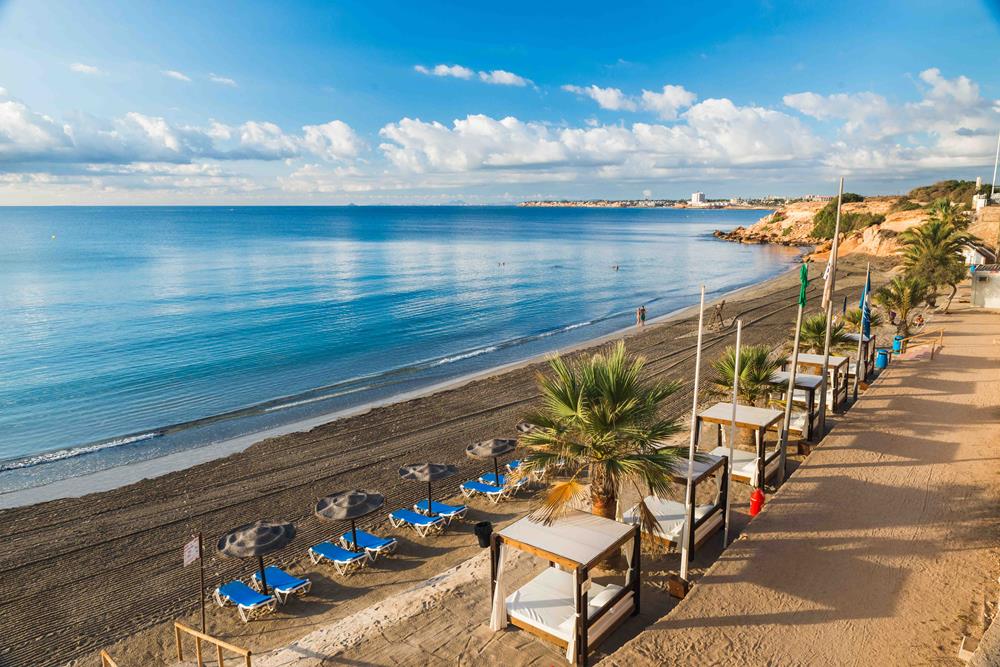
{"points": [[201, 569], [636, 569], [197, 651], [832, 282], [584, 619], [494, 558], [761, 458], [219, 656], [177, 638]]}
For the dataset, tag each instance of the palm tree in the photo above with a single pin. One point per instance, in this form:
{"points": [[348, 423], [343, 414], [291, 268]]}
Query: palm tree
{"points": [[813, 333], [902, 295], [932, 252], [599, 416], [757, 364], [852, 320], [942, 210]]}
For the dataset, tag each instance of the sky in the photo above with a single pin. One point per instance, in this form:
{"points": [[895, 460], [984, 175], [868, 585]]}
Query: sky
{"points": [[489, 103]]}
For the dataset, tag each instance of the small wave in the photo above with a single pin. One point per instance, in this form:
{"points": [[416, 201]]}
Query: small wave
{"points": [[59, 455], [314, 399], [466, 355]]}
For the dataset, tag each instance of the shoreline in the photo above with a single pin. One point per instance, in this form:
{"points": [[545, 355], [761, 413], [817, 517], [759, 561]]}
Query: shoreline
{"points": [[119, 476]]}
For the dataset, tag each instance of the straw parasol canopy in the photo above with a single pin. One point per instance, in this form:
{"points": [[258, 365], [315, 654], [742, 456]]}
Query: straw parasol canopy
{"points": [[427, 472], [349, 505], [492, 449], [256, 540]]}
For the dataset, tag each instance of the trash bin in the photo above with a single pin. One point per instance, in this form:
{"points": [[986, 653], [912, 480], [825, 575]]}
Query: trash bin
{"points": [[483, 530], [897, 344], [881, 358]]}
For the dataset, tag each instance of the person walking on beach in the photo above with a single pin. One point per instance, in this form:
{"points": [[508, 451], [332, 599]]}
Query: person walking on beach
{"points": [[640, 316], [718, 318]]}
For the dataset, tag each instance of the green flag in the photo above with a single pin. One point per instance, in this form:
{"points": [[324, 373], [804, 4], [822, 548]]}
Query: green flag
{"points": [[804, 280]]}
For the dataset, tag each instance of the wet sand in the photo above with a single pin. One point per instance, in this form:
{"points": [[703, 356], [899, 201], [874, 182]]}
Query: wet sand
{"points": [[105, 567]]}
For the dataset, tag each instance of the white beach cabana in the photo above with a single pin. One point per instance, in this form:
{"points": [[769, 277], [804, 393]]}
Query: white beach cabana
{"points": [[837, 391], [867, 356], [671, 515], [804, 395], [749, 467], [552, 604]]}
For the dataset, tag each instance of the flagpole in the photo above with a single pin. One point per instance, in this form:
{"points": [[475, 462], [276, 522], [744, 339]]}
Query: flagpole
{"points": [[688, 499], [861, 334], [732, 432], [831, 282], [201, 567], [790, 393]]}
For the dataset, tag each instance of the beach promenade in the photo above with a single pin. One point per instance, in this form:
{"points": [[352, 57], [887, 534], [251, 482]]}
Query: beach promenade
{"points": [[883, 548]]}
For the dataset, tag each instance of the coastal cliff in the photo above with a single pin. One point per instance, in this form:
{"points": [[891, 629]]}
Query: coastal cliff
{"points": [[794, 224]]}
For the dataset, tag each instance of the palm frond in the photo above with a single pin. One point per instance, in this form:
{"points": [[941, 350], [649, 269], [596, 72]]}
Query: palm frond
{"points": [[558, 501]]}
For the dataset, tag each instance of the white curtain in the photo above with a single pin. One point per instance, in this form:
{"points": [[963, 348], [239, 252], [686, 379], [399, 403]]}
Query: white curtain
{"points": [[571, 648], [629, 555], [498, 618], [755, 477]]}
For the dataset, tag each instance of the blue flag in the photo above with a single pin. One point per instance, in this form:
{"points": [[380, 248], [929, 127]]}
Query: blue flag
{"points": [[866, 311]]}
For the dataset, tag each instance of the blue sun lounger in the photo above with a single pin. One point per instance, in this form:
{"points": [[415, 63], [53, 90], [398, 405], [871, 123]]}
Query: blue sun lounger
{"points": [[373, 545], [281, 583], [248, 602], [423, 525], [473, 488], [449, 512], [343, 561]]}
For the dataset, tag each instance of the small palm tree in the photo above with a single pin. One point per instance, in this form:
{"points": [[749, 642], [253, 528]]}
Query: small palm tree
{"points": [[902, 295], [942, 210], [852, 320], [813, 333], [599, 416], [757, 364]]}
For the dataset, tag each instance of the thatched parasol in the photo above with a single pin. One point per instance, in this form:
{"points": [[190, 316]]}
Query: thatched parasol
{"points": [[427, 472], [349, 505], [256, 540], [492, 449]]}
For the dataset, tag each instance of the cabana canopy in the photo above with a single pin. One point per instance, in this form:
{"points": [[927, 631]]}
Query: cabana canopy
{"points": [[747, 467], [671, 514], [552, 604], [837, 391], [806, 388]]}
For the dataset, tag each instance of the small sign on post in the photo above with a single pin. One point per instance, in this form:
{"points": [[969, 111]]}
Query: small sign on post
{"points": [[192, 553]]}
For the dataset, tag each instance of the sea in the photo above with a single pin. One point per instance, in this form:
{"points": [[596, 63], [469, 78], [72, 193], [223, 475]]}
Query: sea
{"points": [[132, 333]]}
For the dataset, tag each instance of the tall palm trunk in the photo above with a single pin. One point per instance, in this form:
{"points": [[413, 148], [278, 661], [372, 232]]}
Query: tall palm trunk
{"points": [[954, 291], [603, 495]]}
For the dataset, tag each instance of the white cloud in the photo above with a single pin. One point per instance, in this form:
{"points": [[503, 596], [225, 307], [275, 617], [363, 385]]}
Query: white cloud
{"points": [[667, 103], [82, 68], [607, 98], [456, 71], [222, 80], [503, 78], [174, 74], [335, 140], [497, 77]]}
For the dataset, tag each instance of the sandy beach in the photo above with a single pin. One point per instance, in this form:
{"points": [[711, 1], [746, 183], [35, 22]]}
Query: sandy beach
{"points": [[122, 547]]}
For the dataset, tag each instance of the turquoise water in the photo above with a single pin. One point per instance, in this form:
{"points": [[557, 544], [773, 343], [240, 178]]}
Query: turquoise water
{"points": [[123, 327]]}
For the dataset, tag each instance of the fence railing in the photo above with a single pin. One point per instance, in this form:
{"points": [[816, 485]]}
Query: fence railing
{"points": [[935, 339], [107, 660], [199, 637]]}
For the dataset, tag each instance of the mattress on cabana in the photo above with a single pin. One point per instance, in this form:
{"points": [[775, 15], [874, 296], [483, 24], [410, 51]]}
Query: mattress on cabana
{"points": [[546, 602], [744, 462], [670, 515]]}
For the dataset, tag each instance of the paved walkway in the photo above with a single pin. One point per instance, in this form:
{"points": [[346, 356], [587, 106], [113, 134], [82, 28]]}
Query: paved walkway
{"points": [[882, 548]]}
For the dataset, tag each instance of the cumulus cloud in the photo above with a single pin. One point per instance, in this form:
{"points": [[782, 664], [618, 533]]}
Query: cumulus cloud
{"points": [[612, 99], [498, 77], [222, 80], [456, 71], [503, 78], [82, 68], [668, 102], [28, 137], [174, 74]]}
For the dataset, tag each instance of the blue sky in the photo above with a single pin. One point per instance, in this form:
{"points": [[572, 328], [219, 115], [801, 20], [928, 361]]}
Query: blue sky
{"points": [[431, 102]]}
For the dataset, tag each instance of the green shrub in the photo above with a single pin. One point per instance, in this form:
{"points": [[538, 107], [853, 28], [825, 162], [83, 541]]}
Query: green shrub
{"points": [[825, 221], [904, 204]]}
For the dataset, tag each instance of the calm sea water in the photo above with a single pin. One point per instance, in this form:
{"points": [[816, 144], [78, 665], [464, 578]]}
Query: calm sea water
{"points": [[129, 333]]}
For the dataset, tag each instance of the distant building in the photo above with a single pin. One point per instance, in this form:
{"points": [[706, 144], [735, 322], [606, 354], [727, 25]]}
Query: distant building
{"points": [[986, 286], [698, 199], [976, 254]]}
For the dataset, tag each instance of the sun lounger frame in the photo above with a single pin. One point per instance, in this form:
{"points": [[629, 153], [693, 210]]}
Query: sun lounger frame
{"points": [[300, 589], [343, 567], [246, 612], [456, 511], [384, 550], [421, 529], [494, 494]]}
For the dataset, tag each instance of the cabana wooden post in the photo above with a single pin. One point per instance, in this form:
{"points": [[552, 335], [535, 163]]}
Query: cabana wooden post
{"points": [[867, 356], [813, 363], [811, 385], [758, 420], [572, 545]]}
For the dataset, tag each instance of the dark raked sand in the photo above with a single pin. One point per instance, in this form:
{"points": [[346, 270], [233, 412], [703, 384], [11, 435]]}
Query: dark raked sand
{"points": [[94, 570]]}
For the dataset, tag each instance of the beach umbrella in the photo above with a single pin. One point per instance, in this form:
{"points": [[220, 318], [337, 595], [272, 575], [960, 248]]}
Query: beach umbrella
{"points": [[427, 472], [491, 449], [256, 540], [349, 505]]}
